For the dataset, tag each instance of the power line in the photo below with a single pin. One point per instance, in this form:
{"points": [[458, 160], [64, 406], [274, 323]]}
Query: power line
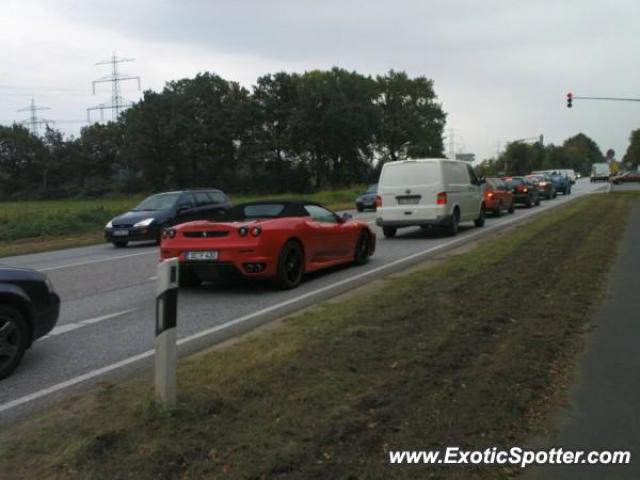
{"points": [[34, 121], [118, 102]]}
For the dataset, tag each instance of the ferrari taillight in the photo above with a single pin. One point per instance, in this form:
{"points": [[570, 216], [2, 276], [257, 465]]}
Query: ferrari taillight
{"points": [[442, 198], [378, 201], [490, 194]]}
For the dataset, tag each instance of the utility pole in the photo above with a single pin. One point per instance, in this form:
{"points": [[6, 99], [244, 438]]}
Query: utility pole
{"points": [[452, 144], [34, 122], [118, 102]]}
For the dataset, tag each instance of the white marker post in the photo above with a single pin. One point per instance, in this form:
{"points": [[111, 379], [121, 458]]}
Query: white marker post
{"points": [[166, 321]]}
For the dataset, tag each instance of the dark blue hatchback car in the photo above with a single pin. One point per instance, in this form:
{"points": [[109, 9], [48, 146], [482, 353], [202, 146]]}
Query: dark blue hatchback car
{"points": [[561, 181], [146, 221]]}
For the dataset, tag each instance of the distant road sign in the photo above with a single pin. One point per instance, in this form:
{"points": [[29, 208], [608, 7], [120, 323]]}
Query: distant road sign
{"points": [[611, 154]]}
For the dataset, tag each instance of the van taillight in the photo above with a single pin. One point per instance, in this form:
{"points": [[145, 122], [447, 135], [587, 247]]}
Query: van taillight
{"points": [[378, 201], [442, 198]]}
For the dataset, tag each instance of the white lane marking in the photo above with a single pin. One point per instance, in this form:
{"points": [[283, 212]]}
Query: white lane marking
{"points": [[153, 278], [68, 327], [128, 361], [90, 262], [64, 329], [73, 381]]}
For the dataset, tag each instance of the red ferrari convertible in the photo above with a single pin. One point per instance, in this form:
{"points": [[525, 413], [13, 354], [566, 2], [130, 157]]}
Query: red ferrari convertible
{"points": [[280, 240]]}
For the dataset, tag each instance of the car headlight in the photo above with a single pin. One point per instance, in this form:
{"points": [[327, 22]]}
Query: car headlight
{"points": [[109, 224], [144, 223]]}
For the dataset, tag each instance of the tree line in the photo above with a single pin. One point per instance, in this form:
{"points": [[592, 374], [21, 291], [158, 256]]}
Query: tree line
{"points": [[290, 133], [578, 152], [520, 158]]}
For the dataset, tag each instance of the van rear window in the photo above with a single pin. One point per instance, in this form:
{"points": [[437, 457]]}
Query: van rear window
{"points": [[410, 173]]}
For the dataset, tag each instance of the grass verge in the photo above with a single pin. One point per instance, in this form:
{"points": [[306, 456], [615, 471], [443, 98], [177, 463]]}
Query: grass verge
{"points": [[37, 226], [465, 353]]}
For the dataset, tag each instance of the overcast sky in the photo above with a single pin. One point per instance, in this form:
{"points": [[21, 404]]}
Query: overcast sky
{"points": [[501, 68]]}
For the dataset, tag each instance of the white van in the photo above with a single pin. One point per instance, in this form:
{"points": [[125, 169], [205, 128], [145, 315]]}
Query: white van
{"points": [[431, 191], [571, 173]]}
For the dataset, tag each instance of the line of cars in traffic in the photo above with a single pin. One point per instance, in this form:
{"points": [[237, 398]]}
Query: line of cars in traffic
{"points": [[276, 239], [443, 193]]}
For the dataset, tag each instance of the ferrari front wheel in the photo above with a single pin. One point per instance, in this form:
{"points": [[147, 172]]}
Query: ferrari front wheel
{"points": [[290, 266], [363, 246]]}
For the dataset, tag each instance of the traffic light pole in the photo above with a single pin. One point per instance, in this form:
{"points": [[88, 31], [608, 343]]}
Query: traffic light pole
{"points": [[571, 97], [619, 99]]}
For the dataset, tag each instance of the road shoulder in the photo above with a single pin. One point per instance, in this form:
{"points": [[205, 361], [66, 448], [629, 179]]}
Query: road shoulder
{"points": [[603, 409]]}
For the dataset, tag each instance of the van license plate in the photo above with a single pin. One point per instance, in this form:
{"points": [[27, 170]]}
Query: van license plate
{"points": [[408, 200]]}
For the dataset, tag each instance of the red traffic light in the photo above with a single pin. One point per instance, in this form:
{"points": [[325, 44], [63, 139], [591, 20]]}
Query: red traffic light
{"points": [[569, 99]]}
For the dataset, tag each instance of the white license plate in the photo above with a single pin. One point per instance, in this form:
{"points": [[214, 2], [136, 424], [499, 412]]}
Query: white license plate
{"points": [[120, 233], [408, 201], [202, 255]]}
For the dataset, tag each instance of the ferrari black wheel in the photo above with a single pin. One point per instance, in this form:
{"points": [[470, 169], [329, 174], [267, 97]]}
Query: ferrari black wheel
{"points": [[363, 247], [290, 266]]}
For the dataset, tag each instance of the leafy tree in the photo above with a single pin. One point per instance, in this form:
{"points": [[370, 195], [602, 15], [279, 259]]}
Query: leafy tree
{"points": [[292, 132], [520, 158], [23, 158], [275, 100], [412, 121], [333, 125], [631, 157], [580, 152]]}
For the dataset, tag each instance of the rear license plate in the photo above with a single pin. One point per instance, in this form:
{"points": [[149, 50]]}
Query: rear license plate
{"points": [[408, 200], [202, 255], [120, 233]]}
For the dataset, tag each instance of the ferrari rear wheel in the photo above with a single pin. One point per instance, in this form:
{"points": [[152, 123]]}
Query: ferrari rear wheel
{"points": [[290, 266], [363, 247]]}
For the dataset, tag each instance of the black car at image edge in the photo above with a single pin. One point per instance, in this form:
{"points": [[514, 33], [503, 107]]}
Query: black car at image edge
{"points": [[29, 309], [146, 221]]}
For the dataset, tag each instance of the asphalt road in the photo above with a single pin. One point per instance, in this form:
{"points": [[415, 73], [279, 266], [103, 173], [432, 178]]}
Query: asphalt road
{"points": [[106, 326]]}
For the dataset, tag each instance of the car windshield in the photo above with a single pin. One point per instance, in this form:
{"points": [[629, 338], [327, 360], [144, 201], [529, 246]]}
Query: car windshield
{"points": [[372, 188], [161, 201]]}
